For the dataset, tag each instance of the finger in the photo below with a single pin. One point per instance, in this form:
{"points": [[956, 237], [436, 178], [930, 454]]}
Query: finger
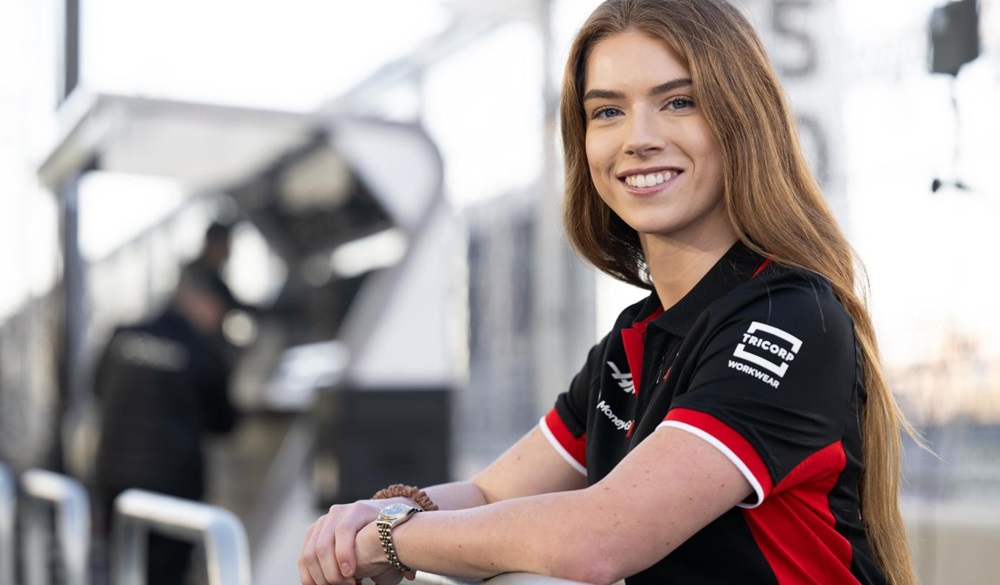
{"points": [[324, 550], [345, 539], [360, 515], [309, 532], [311, 555], [304, 575]]}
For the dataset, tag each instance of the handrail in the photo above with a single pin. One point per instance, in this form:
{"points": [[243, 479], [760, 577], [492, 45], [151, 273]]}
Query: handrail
{"points": [[72, 518], [8, 499], [137, 512], [505, 579]]}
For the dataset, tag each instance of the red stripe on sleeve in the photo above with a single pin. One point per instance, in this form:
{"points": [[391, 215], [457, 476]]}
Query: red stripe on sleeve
{"points": [[575, 447], [734, 441]]}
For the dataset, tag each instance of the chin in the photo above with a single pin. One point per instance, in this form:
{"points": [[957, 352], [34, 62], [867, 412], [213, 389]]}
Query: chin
{"points": [[654, 228]]}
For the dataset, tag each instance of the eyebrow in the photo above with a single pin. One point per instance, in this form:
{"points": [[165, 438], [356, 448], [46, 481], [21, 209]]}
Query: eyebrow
{"points": [[669, 86]]}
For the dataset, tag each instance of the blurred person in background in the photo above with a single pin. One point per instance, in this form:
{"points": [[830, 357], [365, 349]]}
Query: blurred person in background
{"points": [[212, 258], [163, 385], [735, 426]]}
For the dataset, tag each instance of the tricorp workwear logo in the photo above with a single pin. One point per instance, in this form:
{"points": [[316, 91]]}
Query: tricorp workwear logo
{"points": [[768, 348]]}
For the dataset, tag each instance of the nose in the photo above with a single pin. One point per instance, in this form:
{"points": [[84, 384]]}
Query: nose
{"points": [[642, 136]]}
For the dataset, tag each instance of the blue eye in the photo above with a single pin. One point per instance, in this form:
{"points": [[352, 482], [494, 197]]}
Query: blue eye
{"points": [[605, 113], [679, 103]]}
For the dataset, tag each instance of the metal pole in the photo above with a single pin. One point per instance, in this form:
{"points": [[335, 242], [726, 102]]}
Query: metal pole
{"points": [[76, 297], [72, 516], [137, 512], [8, 497]]}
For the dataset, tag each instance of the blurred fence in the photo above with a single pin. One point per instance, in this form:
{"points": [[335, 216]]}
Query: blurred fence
{"points": [[136, 514], [8, 496], [68, 500], [139, 512]]}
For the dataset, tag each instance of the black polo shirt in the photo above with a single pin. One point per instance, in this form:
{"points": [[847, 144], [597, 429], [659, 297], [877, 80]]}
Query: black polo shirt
{"points": [[761, 361]]}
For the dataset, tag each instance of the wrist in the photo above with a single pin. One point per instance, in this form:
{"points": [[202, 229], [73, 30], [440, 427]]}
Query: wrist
{"points": [[389, 518], [369, 548]]}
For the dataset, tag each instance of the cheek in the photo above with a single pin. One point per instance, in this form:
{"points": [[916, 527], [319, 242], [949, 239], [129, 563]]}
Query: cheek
{"points": [[591, 154], [597, 165], [597, 156], [711, 155]]}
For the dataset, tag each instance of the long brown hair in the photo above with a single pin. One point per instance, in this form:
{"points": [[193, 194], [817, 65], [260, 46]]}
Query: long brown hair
{"points": [[774, 203]]}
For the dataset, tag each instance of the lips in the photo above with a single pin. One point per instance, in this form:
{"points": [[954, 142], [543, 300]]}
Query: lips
{"points": [[645, 178]]}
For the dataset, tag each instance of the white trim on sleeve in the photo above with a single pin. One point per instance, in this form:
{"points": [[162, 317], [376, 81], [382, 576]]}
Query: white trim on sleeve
{"points": [[758, 490], [559, 448]]}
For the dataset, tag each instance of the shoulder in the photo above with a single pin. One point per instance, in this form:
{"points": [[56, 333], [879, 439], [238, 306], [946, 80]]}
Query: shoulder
{"points": [[150, 344], [781, 342], [795, 297], [788, 322]]}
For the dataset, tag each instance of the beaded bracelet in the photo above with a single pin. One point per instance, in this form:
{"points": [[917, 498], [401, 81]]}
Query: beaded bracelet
{"points": [[407, 491]]}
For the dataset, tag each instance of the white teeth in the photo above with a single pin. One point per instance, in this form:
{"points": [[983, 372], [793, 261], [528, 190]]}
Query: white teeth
{"points": [[650, 179]]}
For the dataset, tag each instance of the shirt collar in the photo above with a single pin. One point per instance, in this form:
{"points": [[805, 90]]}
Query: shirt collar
{"points": [[737, 266]]}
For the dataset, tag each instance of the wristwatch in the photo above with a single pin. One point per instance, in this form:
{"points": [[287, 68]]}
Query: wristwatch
{"points": [[390, 517]]}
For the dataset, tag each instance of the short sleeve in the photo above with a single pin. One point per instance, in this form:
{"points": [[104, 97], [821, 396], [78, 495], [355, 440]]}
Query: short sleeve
{"points": [[773, 383], [565, 426]]}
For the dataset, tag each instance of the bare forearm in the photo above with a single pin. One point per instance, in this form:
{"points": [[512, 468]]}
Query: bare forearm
{"points": [[529, 467], [633, 517], [546, 534], [344, 540], [457, 495]]}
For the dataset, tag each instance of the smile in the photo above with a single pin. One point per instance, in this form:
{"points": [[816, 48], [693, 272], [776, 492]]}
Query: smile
{"points": [[650, 179]]}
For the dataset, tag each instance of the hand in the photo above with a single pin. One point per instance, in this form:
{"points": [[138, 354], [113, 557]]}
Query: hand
{"points": [[372, 562], [328, 552]]}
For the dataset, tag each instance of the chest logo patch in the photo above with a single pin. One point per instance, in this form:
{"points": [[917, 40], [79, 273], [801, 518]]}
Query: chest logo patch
{"points": [[768, 348], [624, 380]]}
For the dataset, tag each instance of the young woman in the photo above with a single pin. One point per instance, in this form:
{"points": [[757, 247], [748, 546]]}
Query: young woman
{"points": [[735, 426]]}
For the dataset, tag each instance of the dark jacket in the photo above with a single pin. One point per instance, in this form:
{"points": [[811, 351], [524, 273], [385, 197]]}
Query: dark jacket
{"points": [[162, 386]]}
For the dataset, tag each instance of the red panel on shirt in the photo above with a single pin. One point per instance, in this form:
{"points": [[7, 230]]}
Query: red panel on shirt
{"points": [[795, 528], [576, 447], [634, 340]]}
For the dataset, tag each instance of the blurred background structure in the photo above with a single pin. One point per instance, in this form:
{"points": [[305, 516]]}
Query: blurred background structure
{"points": [[392, 172]]}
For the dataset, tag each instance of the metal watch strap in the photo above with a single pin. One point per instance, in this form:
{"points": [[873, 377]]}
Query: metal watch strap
{"points": [[385, 537]]}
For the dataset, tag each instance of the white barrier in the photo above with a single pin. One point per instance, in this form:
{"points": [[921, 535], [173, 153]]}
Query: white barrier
{"points": [[72, 525], [8, 498], [138, 512]]}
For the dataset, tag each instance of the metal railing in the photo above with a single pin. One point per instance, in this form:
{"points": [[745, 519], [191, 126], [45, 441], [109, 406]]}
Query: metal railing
{"points": [[8, 499], [72, 525], [138, 512], [505, 579]]}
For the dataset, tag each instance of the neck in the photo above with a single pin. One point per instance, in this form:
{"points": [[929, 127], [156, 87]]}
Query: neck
{"points": [[677, 266]]}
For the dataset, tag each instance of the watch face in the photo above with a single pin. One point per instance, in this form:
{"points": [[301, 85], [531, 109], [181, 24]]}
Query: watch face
{"points": [[395, 511]]}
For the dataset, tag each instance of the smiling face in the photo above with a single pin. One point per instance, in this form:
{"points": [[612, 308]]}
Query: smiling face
{"points": [[652, 157]]}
